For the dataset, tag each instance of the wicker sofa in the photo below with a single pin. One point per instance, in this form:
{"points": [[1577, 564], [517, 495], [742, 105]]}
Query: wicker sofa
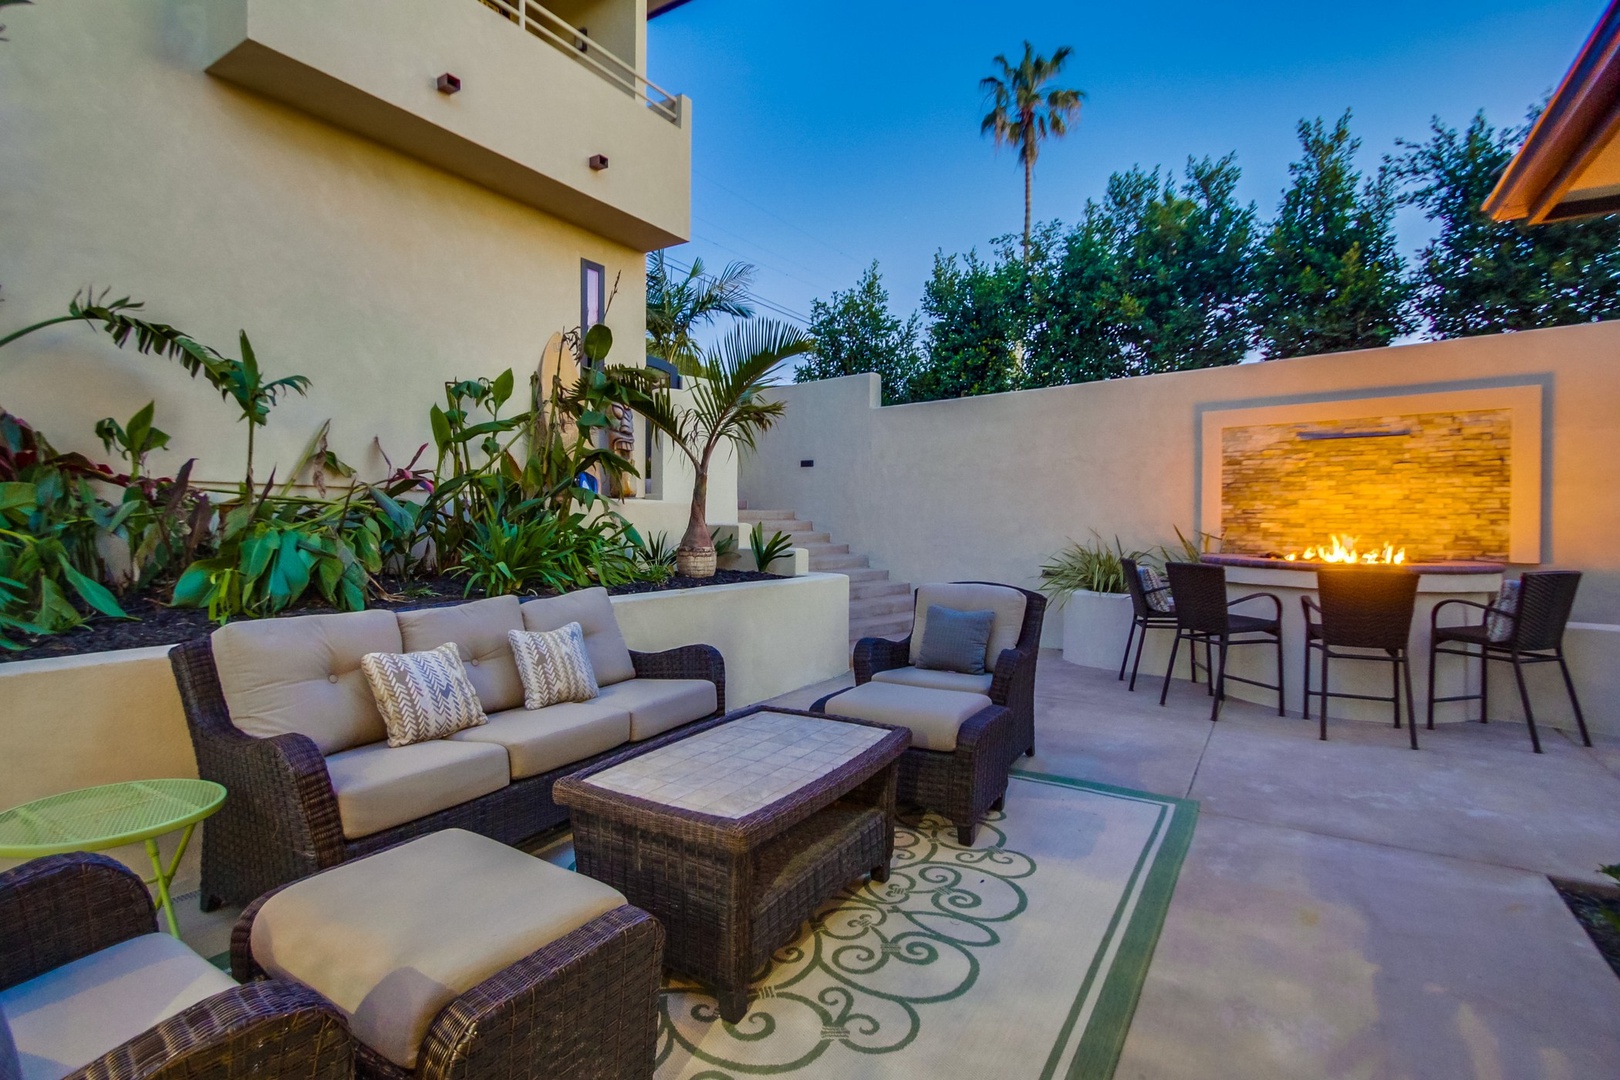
{"points": [[281, 714], [1015, 642], [90, 989]]}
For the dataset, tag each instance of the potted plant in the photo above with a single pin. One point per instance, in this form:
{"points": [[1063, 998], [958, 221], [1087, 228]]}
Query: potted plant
{"points": [[1089, 580], [726, 407]]}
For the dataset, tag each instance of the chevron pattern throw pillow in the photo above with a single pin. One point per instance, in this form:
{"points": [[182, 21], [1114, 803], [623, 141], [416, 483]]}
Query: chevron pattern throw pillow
{"points": [[422, 695], [553, 665]]}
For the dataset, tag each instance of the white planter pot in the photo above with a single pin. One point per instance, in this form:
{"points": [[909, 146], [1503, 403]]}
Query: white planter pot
{"points": [[1094, 628]]}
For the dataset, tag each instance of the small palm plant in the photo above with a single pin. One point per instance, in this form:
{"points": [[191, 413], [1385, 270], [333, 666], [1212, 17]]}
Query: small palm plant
{"points": [[1024, 111], [727, 407], [678, 306]]}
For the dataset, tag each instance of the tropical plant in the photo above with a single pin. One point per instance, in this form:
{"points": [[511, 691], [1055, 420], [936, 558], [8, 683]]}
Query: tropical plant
{"points": [[531, 548], [1611, 916], [1328, 275], [678, 306], [655, 556], [133, 439], [1025, 111], [1090, 567], [272, 549], [727, 407], [725, 540], [768, 551]]}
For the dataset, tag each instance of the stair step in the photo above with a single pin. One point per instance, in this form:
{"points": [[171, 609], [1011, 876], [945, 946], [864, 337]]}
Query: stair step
{"points": [[873, 606], [817, 550], [804, 537], [838, 563], [866, 590], [764, 515], [889, 626]]}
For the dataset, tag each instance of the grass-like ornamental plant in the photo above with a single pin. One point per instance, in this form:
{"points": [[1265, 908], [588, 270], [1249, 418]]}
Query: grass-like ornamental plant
{"points": [[768, 551], [1091, 567]]}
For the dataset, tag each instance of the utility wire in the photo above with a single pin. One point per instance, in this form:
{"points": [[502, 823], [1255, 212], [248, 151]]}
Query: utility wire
{"points": [[768, 305], [771, 213]]}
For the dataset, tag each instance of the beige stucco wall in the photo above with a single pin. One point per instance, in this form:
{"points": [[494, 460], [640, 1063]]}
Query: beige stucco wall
{"points": [[377, 276], [989, 487], [78, 721]]}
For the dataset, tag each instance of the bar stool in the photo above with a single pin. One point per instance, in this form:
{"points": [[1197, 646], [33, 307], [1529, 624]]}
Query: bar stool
{"points": [[1366, 610], [1528, 630], [1144, 617], [1204, 616]]}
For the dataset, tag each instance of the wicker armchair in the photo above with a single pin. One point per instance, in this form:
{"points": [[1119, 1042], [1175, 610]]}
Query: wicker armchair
{"points": [[63, 908], [1013, 682], [280, 822]]}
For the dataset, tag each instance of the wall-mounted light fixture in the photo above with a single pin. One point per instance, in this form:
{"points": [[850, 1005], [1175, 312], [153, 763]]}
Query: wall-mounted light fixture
{"points": [[598, 162], [448, 83]]}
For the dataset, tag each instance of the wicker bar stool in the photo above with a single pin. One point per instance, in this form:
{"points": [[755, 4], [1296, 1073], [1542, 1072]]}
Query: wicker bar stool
{"points": [[1528, 632], [1144, 617], [1369, 611], [1204, 617]]}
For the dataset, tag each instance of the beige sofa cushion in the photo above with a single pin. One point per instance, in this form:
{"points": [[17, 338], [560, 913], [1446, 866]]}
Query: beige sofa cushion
{"points": [[540, 740], [936, 680], [934, 716], [656, 705], [303, 674], [66, 1018], [379, 786], [479, 631], [592, 609], [393, 938], [1007, 604]]}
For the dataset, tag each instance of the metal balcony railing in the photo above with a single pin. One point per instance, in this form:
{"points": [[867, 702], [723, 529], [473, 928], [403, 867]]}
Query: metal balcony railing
{"points": [[552, 28]]}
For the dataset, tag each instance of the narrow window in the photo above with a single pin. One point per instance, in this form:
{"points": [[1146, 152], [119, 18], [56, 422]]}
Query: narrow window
{"points": [[592, 297]]}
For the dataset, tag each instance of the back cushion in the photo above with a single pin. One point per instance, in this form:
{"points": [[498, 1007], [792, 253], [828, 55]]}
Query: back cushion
{"points": [[592, 609], [1007, 604], [303, 674], [478, 631]]}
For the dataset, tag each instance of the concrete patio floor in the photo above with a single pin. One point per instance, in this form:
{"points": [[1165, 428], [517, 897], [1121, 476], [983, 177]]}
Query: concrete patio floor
{"points": [[1352, 909]]}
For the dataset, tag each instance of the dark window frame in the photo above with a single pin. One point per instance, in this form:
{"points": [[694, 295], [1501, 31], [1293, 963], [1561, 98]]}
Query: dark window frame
{"points": [[585, 268]]}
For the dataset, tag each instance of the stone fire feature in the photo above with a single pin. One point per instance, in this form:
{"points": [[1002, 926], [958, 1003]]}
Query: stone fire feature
{"points": [[1437, 483], [1452, 474]]}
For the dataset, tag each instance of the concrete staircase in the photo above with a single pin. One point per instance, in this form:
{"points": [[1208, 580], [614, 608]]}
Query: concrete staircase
{"points": [[878, 607]]}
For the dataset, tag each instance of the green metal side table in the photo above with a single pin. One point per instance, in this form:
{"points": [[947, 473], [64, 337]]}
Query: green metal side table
{"points": [[109, 816]]}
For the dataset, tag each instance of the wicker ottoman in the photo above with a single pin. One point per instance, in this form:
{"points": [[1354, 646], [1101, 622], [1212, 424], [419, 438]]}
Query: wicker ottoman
{"points": [[455, 956], [962, 746]]}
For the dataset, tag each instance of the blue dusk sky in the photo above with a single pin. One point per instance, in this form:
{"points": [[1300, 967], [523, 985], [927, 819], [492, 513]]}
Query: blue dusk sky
{"points": [[830, 134]]}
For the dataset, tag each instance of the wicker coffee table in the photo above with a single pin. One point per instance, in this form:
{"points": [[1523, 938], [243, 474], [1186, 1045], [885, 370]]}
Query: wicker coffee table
{"points": [[734, 833]]}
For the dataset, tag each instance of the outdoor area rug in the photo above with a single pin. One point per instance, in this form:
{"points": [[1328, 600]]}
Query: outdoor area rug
{"points": [[1021, 956]]}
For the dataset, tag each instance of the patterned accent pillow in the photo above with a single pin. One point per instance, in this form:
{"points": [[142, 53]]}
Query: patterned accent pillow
{"points": [[422, 695], [955, 640], [1156, 590], [553, 665], [1499, 624]]}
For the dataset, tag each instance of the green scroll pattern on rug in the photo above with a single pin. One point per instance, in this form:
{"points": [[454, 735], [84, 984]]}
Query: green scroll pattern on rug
{"points": [[878, 956]]}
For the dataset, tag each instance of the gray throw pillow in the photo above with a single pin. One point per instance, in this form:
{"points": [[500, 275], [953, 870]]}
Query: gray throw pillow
{"points": [[955, 640]]}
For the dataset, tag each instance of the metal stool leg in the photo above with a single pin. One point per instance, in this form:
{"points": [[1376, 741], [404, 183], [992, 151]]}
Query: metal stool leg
{"points": [[1322, 734], [1305, 679], [1128, 639], [1395, 687], [1164, 690], [1575, 702], [1219, 683], [1524, 696], [1281, 709], [1433, 659], [1411, 712]]}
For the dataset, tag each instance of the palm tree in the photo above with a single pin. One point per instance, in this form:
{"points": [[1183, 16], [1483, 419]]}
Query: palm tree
{"points": [[1023, 111], [726, 407], [677, 307]]}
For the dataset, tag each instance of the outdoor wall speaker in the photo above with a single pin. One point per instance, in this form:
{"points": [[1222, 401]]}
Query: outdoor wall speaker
{"points": [[448, 83], [598, 162]]}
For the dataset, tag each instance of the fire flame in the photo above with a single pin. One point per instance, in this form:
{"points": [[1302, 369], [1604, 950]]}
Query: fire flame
{"points": [[1342, 549]]}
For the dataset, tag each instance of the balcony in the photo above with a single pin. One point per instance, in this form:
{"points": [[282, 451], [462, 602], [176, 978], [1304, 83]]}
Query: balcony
{"points": [[540, 96]]}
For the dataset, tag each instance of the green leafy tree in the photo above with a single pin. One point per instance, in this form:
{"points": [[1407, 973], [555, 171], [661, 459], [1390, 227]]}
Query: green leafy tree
{"points": [[677, 306], [1328, 276], [1479, 276], [976, 331], [855, 331], [1025, 110], [1154, 278]]}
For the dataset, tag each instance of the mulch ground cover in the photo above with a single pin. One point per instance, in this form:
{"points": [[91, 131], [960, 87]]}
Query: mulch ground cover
{"points": [[157, 624], [1589, 903]]}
